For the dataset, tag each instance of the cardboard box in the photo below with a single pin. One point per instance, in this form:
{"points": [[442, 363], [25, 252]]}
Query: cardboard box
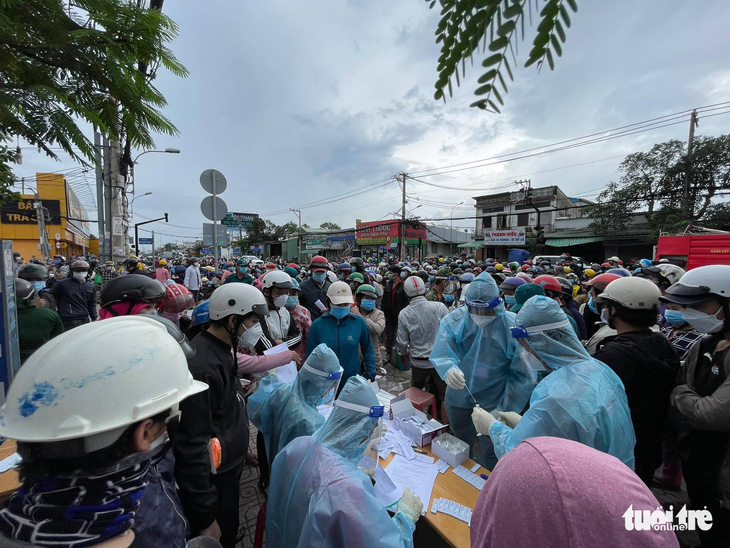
{"points": [[443, 454], [401, 408]]}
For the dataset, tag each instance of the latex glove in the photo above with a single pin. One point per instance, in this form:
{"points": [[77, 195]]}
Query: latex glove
{"points": [[410, 505], [510, 418], [455, 378], [482, 420]]}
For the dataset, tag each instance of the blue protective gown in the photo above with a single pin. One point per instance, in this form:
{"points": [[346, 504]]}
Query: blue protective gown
{"points": [[283, 412], [318, 496], [581, 400]]}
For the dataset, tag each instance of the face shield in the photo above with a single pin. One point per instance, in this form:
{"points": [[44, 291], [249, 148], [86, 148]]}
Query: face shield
{"points": [[482, 313], [533, 365], [333, 382], [451, 286], [370, 444]]}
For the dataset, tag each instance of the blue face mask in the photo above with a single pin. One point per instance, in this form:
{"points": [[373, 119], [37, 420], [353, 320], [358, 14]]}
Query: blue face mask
{"points": [[38, 286], [511, 300], [319, 277], [430, 278], [292, 301], [340, 312], [604, 316], [242, 269], [340, 276], [232, 268], [592, 305], [675, 317], [448, 298], [367, 304]]}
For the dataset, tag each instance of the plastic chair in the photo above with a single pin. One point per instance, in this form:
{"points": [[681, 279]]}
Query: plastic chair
{"points": [[421, 400]]}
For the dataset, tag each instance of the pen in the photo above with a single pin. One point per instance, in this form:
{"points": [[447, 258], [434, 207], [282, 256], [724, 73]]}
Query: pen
{"points": [[419, 451], [484, 476]]}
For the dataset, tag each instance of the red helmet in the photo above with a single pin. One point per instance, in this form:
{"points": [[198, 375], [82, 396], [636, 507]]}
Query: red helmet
{"points": [[178, 299], [318, 263], [548, 283], [601, 281], [293, 265], [525, 267]]}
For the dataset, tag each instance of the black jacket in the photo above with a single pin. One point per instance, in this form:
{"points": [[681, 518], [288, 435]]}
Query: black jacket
{"points": [[76, 300], [572, 309], [310, 293], [219, 412], [392, 305], [648, 365]]}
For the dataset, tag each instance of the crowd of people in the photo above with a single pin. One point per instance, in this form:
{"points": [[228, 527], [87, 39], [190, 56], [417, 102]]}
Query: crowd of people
{"points": [[605, 378]]}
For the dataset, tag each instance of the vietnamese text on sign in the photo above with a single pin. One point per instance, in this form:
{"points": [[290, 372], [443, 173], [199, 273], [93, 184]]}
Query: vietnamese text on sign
{"points": [[504, 237]]}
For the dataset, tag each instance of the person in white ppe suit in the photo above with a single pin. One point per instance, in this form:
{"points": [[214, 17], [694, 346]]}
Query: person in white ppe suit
{"points": [[581, 399], [319, 497], [476, 355]]}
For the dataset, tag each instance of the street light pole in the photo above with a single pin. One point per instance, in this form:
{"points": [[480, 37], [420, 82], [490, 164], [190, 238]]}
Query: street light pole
{"points": [[131, 204], [134, 162], [451, 231]]}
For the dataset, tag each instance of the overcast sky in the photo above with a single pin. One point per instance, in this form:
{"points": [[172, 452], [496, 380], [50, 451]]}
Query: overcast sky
{"points": [[297, 102]]}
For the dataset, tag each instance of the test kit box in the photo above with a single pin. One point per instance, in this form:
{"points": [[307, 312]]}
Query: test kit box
{"points": [[401, 408], [451, 458]]}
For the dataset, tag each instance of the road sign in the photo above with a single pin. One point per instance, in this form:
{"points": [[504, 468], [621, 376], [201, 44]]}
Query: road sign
{"points": [[213, 181], [206, 207], [244, 219], [58, 245], [64, 245], [145, 241], [58, 235], [205, 251]]}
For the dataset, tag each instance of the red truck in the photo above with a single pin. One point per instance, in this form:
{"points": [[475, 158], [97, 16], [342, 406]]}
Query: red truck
{"points": [[693, 250]]}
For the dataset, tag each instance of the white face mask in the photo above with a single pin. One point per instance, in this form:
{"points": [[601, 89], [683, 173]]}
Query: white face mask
{"points": [[482, 321], [280, 301], [80, 274], [702, 322], [251, 336]]}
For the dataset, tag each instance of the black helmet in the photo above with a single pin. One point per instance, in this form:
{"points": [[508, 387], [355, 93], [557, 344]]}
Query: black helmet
{"points": [[79, 264], [23, 289], [566, 286], [130, 263], [34, 272], [132, 288], [423, 275], [357, 262]]}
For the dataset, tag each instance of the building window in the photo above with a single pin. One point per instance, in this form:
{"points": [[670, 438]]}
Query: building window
{"points": [[486, 222], [502, 221], [523, 219]]}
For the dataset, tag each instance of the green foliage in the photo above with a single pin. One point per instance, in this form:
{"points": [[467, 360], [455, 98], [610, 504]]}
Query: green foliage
{"points": [[264, 230], [330, 226], [7, 157], [471, 27], [653, 182], [59, 69]]}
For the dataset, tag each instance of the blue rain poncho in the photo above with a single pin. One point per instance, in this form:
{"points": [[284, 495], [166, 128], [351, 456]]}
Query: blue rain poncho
{"points": [[319, 497], [487, 356], [283, 412], [582, 399]]}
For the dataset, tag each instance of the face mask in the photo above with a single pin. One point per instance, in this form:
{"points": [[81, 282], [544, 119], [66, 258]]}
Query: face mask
{"points": [[704, 323], [291, 302], [319, 277], [604, 316], [232, 268], [403, 275], [448, 298], [367, 304], [38, 286], [592, 305], [280, 301], [675, 318], [482, 321], [511, 300], [430, 278], [340, 312], [251, 336], [340, 277], [80, 275]]}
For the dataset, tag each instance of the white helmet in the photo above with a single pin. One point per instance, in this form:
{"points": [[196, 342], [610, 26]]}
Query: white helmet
{"points": [[339, 293], [239, 299], [136, 372], [700, 284], [632, 293], [414, 286], [276, 278], [331, 276], [669, 272]]}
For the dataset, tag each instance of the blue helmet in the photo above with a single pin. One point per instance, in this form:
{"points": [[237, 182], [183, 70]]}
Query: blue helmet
{"points": [[295, 284], [618, 271], [200, 314]]}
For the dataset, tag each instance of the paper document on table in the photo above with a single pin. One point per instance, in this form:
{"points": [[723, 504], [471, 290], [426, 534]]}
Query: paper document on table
{"points": [[395, 441], [416, 475], [286, 373], [10, 462], [385, 489], [424, 458]]}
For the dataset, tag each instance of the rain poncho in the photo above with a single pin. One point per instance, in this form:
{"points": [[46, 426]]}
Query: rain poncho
{"points": [[581, 400], [318, 496], [562, 494], [283, 412], [487, 356]]}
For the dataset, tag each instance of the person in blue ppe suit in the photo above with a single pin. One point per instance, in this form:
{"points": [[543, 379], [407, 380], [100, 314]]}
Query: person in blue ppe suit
{"points": [[581, 399], [476, 355], [319, 497], [283, 412]]}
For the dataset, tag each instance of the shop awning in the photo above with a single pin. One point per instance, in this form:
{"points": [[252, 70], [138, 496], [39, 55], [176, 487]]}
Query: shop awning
{"points": [[567, 242], [471, 244]]}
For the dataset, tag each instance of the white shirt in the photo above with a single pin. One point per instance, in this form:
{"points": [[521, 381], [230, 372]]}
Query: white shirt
{"points": [[192, 278]]}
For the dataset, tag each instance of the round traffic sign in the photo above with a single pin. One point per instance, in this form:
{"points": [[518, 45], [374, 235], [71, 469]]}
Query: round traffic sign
{"points": [[387, 238], [213, 181], [58, 245], [64, 245], [221, 209], [58, 235]]}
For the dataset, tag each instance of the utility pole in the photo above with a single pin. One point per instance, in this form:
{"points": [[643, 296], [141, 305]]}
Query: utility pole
{"points": [[402, 218], [687, 209], [153, 243], [42, 235], [107, 195], [117, 204], [299, 234], [99, 169]]}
